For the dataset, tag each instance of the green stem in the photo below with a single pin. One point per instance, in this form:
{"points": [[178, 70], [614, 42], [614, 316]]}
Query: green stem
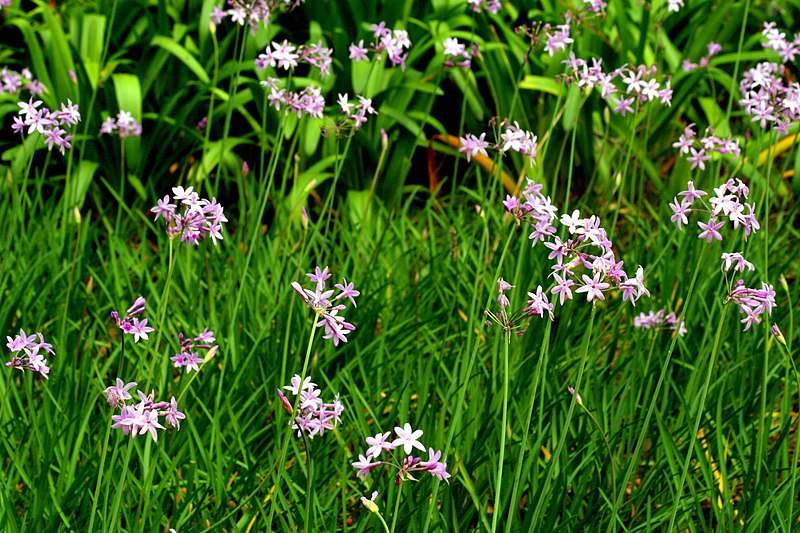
{"points": [[309, 477], [283, 450], [544, 352], [100, 472], [554, 459], [112, 524], [162, 312], [499, 475], [608, 449], [396, 507], [634, 463], [692, 437]]}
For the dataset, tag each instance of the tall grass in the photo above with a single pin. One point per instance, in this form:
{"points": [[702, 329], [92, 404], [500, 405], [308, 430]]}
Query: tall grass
{"points": [[660, 432]]}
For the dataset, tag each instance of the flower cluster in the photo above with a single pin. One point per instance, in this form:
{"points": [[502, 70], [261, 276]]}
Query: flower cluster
{"points": [[779, 43], [131, 325], [492, 6], [514, 321], [142, 417], [319, 300], [25, 350], [251, 12], [407, 439], [309, 101], [698, 153], [639, 84], [287, 56], [557, 38], [659, 320], [713, 49], [394, 42], [356, 113], [753, 303], [189, 357], [47, 123], [513, 138], [456, 55], [728, 202], [5, 3], [587, 246], [12, 82], [769, 99], [313, 416], [124, 126], [199, 219]]}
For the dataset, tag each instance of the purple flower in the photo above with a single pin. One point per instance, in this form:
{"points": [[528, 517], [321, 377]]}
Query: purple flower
{"points": [[358, 52], [198, 220], [321, 301], [124, 125], [142, 417], [473, 146], [117, 394], [364, 465], [314, 416], [593, 287], [173, 416], [660, 320], [25, 353], [710, 232], [189, 357], [408, 440], [753, 303], [131, 325], [492, 6]]}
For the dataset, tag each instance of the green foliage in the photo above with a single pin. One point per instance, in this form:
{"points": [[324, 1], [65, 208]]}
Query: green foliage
{"points": [[689, 433]]}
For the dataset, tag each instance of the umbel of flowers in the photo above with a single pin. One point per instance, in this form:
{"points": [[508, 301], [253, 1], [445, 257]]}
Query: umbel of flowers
{"points": [[313, 416], [27, 353], [142, 417], [323, 302], [195, 220], [586, 247], [407, 439]]}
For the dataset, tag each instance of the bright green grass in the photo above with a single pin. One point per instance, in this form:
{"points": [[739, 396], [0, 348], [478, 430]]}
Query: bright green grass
{"points": [[691, 434]]}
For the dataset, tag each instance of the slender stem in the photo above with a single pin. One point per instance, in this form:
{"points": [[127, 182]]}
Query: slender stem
{"points": [[692, 437], [396, 507], [654, 398], [309, 477], [162, 311], [112, 524], [544, 352], [554, 459], [100, 472], [499, 476], [608, 449], [284, 448]]}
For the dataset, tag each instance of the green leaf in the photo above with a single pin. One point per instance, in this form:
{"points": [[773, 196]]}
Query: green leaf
{"points": [[182, 55], [543, 84]]}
